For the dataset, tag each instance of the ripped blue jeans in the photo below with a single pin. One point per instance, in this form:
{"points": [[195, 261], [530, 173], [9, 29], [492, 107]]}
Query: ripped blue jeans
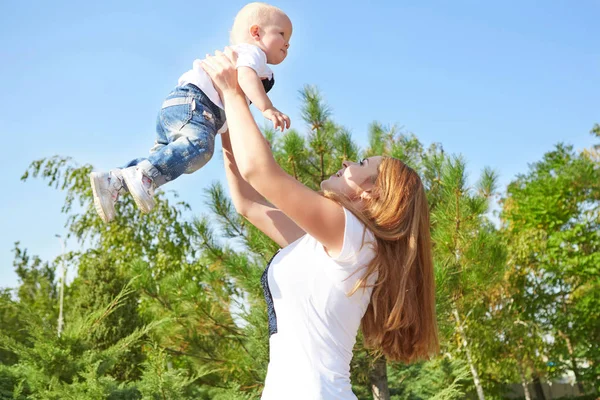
{"points": [[185, 135]]}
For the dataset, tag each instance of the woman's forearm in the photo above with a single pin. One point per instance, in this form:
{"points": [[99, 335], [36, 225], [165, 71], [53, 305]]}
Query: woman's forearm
{"points": [[242, 194], [252, 152]]}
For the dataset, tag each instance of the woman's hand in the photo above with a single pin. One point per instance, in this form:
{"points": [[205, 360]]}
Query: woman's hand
{"points": [[222, 71]]}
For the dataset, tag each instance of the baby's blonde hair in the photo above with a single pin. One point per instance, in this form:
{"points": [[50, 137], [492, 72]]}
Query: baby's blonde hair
{"points": [[251, 14]]}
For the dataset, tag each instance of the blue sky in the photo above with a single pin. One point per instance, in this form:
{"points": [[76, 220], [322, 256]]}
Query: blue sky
{"points": [[499, 82]]}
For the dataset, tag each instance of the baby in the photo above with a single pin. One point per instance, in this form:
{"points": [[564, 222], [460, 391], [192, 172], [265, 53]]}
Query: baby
{"points": [[192, 114]]}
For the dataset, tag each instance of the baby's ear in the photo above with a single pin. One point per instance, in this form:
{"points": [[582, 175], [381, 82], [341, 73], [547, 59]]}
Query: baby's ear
{"points": [[255, 32]]}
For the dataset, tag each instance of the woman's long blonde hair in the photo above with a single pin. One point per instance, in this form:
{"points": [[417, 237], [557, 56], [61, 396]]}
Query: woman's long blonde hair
{"points": [[400, 319]]}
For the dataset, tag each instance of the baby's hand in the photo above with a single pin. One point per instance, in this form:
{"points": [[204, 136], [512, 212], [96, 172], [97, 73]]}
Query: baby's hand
{"points": [[280, 120]]}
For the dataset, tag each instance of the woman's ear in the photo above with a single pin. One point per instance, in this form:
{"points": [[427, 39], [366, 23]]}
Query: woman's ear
{"points": [[369, 190], [368, 195]]}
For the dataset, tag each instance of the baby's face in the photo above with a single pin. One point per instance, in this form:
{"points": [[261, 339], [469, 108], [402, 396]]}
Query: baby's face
{"points": [[276, 38]]}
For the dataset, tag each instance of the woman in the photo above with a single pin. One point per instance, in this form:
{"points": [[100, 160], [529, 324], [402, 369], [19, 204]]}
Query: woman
{"points": [[357, 255]]}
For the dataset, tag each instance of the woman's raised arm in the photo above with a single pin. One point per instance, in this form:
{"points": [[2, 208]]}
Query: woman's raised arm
{"points": [[318, 216], [252, 206]]}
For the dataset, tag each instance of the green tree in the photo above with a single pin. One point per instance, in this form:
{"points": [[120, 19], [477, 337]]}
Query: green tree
{"points": [[66, 366], [9, 324], [551, 219], [37, 291], [469, 257], [37, 287], [178, 279], [97, 283]]}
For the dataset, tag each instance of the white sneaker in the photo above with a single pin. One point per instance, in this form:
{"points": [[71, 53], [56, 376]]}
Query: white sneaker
{"points": [[105, 188], [141, 188]]}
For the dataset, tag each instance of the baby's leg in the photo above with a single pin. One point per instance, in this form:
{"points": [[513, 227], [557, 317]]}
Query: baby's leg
{"points": [[143, 164], [190, 128], [186, 130]]}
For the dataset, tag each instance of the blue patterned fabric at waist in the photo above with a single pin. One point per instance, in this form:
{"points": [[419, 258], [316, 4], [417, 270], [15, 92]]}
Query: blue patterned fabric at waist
{"points": [[264, 280]]}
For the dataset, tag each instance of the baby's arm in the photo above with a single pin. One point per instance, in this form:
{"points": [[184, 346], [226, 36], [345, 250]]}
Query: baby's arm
{"points": [[254, 90]]}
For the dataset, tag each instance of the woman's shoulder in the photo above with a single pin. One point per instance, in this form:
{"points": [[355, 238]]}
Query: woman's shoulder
{"points": [[359, 242], [355, 224]]}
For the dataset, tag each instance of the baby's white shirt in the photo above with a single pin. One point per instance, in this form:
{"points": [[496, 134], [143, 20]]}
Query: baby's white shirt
{"points": [[248, 55]]}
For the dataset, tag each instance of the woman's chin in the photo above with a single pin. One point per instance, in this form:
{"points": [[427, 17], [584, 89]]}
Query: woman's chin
{"points": [[329, 185], [326, 185]]}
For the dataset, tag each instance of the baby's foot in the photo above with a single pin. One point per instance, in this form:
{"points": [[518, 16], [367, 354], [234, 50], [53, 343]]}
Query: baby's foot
{"points": [[105, 188], [141, 188]]}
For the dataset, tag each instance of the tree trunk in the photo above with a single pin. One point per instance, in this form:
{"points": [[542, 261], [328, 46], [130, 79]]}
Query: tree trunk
{"points": [[574, 365], [539, 390], [465, 343], [524, 383], [379, 381], [577, 377]]}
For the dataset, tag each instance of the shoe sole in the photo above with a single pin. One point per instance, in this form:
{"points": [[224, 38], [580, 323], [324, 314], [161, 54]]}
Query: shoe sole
{"points": [[97, 202], [145, 208]]}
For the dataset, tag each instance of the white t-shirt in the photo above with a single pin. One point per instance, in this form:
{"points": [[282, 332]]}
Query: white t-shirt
{"points": [[248, 56], [317, 323]]}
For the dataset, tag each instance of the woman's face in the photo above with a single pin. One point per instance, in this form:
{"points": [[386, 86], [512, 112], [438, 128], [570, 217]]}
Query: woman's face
{"points": [[353, 178]]}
